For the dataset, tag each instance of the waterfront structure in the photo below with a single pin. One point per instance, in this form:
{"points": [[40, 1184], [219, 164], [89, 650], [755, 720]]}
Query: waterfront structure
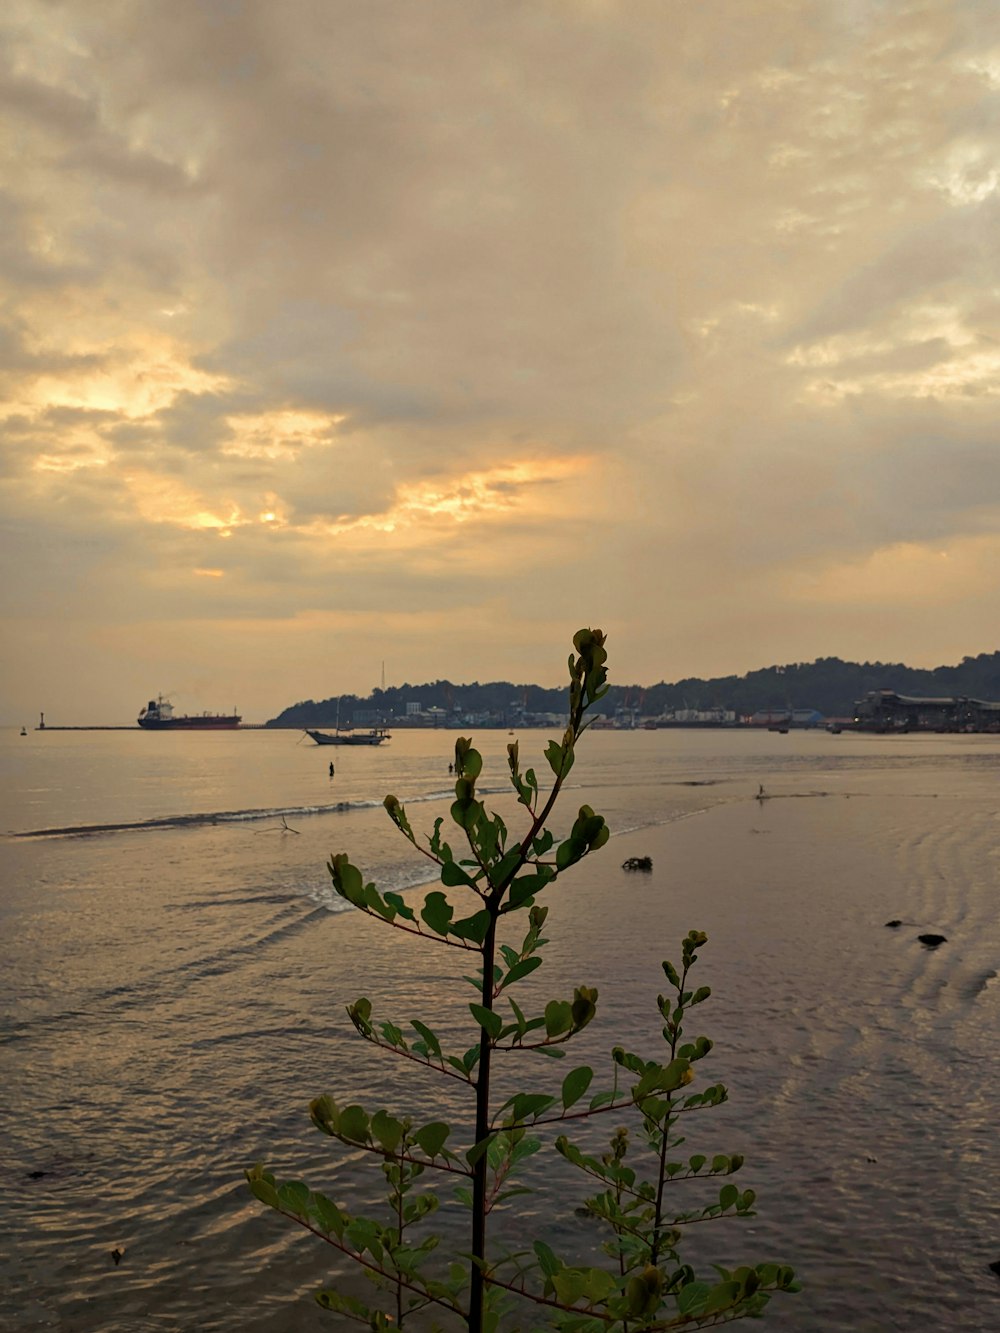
{"points": [[886, 711]]}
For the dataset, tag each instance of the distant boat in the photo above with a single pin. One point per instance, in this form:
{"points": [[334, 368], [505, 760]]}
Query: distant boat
{"points": [[158, 715], [24, 731], [374, 737]]}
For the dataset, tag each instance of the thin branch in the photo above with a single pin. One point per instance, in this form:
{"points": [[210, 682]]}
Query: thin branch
{"points": [[373, 1267], [419, 1059], [571, 1115], [403, 1157], [415, 930], [657, 1326], [285, 828]]}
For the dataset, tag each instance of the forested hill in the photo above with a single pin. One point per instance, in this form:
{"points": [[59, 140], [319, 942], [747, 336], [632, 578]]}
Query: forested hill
{"points": [[828, 684]]}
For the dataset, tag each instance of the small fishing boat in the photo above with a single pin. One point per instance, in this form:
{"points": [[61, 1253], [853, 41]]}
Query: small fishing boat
{"points": [[374, 737]]}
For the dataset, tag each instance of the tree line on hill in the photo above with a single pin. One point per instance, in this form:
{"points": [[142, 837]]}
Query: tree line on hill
{"points": [[829, 685]]}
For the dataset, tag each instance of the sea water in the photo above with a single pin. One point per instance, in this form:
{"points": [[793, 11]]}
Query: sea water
{"points": [[176, 969]]}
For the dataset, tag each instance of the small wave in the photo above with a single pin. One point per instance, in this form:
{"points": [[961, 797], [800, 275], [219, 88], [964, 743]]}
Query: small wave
{"points": [[981, 983], [202, 819], [206, 818]]}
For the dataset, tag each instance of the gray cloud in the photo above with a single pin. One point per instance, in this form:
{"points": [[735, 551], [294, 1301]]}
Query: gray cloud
{"points": [[350, 318]]}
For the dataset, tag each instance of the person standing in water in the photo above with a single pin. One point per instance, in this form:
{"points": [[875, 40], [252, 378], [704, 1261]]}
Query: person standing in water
{"points": [[331, 769]]}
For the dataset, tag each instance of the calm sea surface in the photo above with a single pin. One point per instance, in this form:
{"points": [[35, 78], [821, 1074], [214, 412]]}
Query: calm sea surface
{"points": [[175, 971]]}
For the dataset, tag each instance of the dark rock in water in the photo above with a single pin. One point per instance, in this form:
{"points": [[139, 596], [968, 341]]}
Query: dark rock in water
{"points": [[995, 1267], [932, 941], [638, 863], [36, 1175], [894, 924]]}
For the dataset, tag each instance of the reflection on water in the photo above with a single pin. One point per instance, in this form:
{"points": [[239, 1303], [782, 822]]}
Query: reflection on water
{"points": [[174, 984]]}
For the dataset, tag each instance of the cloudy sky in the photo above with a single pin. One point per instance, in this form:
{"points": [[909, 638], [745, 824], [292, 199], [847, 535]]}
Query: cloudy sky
{"points": [[342, 332]]}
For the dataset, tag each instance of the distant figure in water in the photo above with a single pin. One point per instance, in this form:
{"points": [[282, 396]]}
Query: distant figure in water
{"points": [[331, 770], [760, 790], [451, 768]]}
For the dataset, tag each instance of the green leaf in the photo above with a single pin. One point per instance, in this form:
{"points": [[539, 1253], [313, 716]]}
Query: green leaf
{"points": [[692, 1297], [599, 1284], [575, 1084], [293, 1197], [468, 762], [475, 927], [397, 814], [360, 1012], [429, 1039], [554, 756], [466, 813], [584, 1005], [568, 853], [471, 1058], [522, 1022], [543, 842], [526, 886], [488, 1019], [387, 1130], [664, 1078], [347, 880], [392, 1035], [324, 1113], [527, 1105], [262, 1184], [329, 1299], [437, 912], [432, 1137], [722, 1296], [353, 1124], [373, 902], [328, 1215], [477, 1149], [558, 1017], [570, 1285], [521, 969], [452, 875], [395, 901], [547, 1261]]}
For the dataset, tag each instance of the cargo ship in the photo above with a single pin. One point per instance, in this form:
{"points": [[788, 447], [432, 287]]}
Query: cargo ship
{"points": [[158, 715]]}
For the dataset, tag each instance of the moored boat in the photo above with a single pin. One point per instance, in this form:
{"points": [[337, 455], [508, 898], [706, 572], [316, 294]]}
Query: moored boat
{"points": [[158, 715], [374, 737]]}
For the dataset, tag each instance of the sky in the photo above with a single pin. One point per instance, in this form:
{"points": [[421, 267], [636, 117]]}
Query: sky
{"points": [[350, 339]]}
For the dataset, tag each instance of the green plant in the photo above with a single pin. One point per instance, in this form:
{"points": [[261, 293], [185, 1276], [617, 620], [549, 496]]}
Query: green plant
{"points": [[646, 1287]]}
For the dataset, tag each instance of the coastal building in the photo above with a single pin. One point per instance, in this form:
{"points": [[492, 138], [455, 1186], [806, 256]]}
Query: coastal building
{"points": [[887, 711], [785, 718], [695, 717]]}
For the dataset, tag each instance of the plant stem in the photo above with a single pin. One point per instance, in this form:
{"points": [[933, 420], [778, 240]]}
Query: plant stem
{"points": [[399, 1241], [668, 1120], [476, 1281]]}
